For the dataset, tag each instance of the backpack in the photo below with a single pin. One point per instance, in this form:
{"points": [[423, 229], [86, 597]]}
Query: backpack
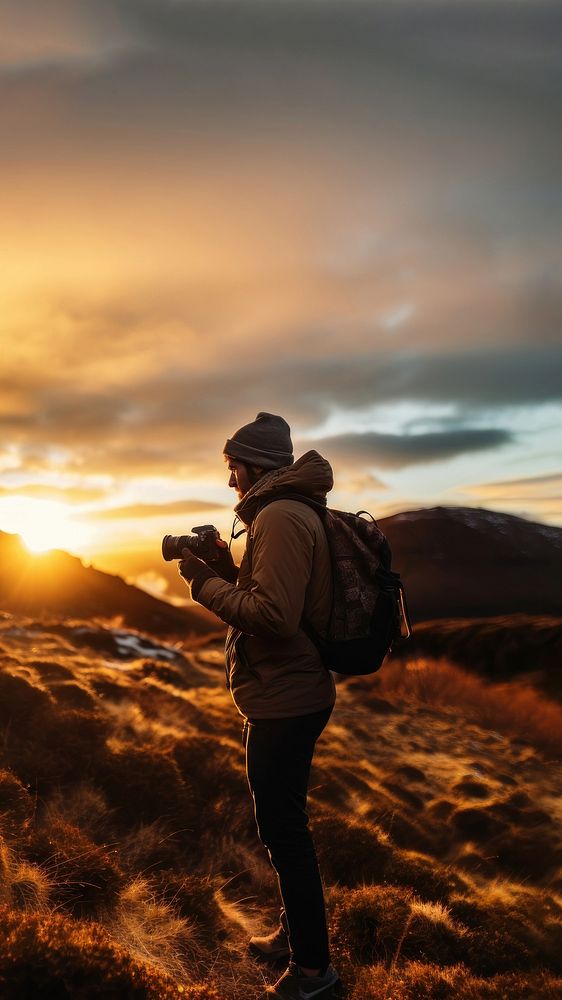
{"points": [[369, 611]]}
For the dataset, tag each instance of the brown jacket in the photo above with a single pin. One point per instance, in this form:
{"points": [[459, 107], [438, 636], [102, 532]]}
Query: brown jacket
{"points": [[274, 669]]}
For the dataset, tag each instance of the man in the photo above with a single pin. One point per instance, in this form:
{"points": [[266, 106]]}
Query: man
{"points": [[276, 675]]}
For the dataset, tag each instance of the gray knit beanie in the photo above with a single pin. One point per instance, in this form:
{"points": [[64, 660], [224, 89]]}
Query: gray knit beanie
{"points": [[266, 442]]}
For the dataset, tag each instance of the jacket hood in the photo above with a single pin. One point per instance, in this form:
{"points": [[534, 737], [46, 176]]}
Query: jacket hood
{"points": [[311, 475]]}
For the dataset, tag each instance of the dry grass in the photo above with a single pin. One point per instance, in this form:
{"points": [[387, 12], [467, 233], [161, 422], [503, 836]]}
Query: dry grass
{"points": [[130, 866], [518, 710]]}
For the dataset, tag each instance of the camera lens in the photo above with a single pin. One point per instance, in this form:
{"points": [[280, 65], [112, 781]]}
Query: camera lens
{"points": [[172, 546]]}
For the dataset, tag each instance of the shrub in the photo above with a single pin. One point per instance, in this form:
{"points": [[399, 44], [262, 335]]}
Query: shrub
{"points": [[428, 879], [154, 847], [530, 854], [511, 928], [73, 695], [477, 823], [367, 924]]}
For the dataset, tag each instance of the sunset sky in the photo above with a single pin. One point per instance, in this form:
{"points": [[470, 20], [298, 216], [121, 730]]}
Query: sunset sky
{"points": [[345, 212]]}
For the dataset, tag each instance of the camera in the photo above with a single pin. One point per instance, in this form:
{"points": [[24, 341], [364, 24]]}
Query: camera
{"points": [[203, 544]]}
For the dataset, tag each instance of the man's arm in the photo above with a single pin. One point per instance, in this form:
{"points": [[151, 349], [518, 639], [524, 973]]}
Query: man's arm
{"points": [[282, 553]]}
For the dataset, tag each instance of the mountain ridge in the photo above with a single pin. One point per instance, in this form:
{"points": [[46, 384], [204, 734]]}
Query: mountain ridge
{"points": [[456, 562], [57, 583], [471, 562]]}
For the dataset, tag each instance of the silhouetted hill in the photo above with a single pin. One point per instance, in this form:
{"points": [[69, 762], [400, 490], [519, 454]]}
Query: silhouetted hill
{"points": [[463, 562], [57, 584]]}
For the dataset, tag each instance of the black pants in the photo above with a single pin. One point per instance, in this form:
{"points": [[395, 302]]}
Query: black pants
{"points": [[278, 758]]}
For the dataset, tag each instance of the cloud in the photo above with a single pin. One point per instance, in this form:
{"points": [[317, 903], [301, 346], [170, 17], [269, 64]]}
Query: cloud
{"points": [[539, 489], [66, 494], [176, 420], [554, 478], [398, 451], [65, 31], [365, 483], [314, 208], [143, 510]]}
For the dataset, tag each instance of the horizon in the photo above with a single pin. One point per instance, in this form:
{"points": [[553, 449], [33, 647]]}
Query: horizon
{"points": [[346, 213], [161, 580]]}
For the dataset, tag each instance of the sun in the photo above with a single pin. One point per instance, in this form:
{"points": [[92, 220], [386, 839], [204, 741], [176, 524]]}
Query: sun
{"points": [[44, 525]]}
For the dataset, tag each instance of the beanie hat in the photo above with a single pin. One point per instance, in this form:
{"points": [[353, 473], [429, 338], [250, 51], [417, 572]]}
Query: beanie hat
{"points": [[266, 442]]}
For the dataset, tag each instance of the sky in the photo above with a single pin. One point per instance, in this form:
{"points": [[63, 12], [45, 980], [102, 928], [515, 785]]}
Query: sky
{"points": [[344, 212]]}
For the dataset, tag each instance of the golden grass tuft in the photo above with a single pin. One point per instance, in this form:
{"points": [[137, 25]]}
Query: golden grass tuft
{"points": [[84, 876], [151, 930], [388, 924], [30, 887], [17, 807], [422, 981], [82, 806], [54, 956], [194, 897], [349, 852]]}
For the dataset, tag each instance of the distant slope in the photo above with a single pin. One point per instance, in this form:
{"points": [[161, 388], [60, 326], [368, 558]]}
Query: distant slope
{"points": [[501, 648], [58, 584], [462, 562]]}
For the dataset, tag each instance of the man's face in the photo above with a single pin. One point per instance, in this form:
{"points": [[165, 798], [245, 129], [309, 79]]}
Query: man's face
{"points": [[241, 478]]}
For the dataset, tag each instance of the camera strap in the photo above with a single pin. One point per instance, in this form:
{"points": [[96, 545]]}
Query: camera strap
{"points": [[236, 534]]}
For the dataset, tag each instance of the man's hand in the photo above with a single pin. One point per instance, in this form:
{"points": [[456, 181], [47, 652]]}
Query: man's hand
{"points": [[224, 564], [195, 571], [189, 565]]}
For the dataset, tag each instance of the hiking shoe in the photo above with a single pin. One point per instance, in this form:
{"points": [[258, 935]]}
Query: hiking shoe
{"points": [[272, 947], [294, 986]]}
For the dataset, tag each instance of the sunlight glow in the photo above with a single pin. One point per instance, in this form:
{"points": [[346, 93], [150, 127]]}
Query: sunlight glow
{"points": [[43, 524]]}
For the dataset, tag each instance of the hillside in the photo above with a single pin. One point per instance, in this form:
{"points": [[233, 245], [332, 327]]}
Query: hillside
{"points": [[57, 584], [503, 648], [460, 562], [130, 864]]}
